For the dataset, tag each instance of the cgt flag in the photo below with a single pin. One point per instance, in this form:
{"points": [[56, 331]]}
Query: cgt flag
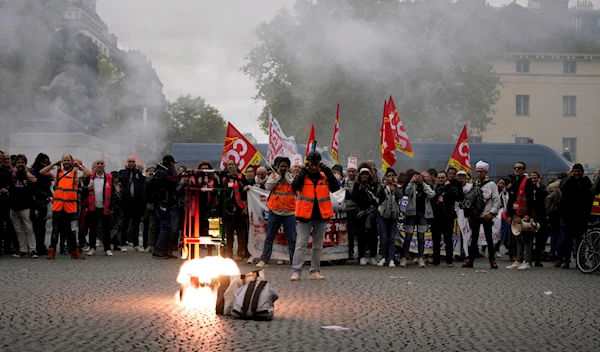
{"points": [[335, 141], [238, 149], [312, 143], [138, 160], [461, 157], [388, 157], [400, 137]]}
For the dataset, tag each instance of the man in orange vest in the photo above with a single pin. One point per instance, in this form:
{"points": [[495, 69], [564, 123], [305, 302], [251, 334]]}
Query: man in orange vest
{"points": [[282, 207], [313, 209], [64, 205]]}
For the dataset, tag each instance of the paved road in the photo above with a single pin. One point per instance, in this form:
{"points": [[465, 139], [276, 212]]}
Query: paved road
{"points": [[126, 303]]}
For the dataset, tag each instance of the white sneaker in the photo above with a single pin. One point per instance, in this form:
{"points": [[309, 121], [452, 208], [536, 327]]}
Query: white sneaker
{"points": [[373, 261], [403, 263], [316, 276], [150, 249], [109, 253], [138, 249], [280, 262], [514, 265], [421, 263], [497, 255], [363, 261], [381, 262], [91, 252], [250, 260], [295, 277], [262, 264], [123, 249], [392, 265], [524, 266], [86, 249]]}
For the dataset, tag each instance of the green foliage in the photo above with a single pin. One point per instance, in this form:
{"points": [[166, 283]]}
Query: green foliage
{"points": [[432, 58], [190, 120]]}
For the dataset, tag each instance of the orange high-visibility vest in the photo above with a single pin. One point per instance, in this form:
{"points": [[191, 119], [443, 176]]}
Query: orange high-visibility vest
{"points": [[282, 198], [310, 192], [596, 205], [65, 192]]}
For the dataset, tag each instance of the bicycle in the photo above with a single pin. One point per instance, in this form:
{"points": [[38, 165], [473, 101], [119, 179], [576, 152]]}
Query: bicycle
{"points": [[588, 252]]}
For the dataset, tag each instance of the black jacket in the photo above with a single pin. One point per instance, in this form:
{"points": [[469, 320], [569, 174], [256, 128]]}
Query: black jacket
{"points": [[361, 197], [135, 176], [443, 202], [166, 182], [576, 201]]}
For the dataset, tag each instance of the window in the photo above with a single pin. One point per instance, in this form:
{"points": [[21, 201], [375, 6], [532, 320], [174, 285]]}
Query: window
{"points": [[577, 24], [475, 139], [569, 104], [570, 146], [570, 67], [523, 140], [523, 66], [522, 105]]}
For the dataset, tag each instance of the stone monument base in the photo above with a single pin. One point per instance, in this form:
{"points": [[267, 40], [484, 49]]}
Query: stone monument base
{"points": [[79, 145]]}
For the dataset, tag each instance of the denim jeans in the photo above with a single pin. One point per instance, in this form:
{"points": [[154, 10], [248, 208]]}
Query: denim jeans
{"points": [[412, 222], [165, 219], [487, 230], [571, 230], [388, 228], [289, 226], [64, 225], [524, 246], [318, 227]]}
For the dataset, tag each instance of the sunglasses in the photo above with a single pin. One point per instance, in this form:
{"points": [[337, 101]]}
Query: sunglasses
{"points": [[518, 168], [99, 163]]}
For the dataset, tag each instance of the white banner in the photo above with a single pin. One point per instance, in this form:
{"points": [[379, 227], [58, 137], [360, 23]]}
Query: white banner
{"points": [[279, 144], [335, 243]]}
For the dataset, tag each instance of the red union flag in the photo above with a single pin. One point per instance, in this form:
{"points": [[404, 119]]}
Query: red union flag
{"points": [[461, 158], [335, 141], [238, 149], [388, 157], [400, 137], [279, 144]]}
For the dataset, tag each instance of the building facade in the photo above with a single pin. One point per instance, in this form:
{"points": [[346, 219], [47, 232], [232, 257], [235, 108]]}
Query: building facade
{"points": [[82, 14], [551, 86]]}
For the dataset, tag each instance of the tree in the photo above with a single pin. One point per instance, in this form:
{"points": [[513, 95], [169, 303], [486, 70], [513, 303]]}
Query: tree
{"points": [[190, 120], [430, 56]]}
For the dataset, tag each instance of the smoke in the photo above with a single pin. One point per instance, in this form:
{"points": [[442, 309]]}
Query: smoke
{"points": [[358, 53], [56, 83]]}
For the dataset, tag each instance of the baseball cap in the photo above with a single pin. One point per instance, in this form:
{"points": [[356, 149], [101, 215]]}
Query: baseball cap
{"points": [[169, 159]]}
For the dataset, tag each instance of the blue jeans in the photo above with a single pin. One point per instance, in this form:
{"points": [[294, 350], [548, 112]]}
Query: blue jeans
{"points": [[318, 233], [387, 233], [165, 218], [289, 226]]}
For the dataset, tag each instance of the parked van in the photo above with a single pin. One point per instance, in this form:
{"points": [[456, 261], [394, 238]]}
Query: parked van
{"points": [[191, 154], [501, 157]]}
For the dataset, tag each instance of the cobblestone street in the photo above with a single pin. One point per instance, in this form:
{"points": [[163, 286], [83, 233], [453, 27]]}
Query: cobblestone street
{"points": [[127, 303]]}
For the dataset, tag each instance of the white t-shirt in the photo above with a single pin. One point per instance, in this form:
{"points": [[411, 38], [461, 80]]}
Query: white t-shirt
{"points": [[99, 190]]}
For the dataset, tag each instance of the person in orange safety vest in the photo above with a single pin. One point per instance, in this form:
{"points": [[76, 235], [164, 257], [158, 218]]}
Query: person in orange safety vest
{"points": [[313, 208], [64, 205]]}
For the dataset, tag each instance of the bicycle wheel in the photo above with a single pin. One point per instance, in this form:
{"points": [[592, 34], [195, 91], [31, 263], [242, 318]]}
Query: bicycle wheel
{"points": [[588, 253]]}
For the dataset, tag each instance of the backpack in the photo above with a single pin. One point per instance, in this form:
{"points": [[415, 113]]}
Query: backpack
{"points": [[552, 200], [473, 204], [255, 300], [389, 209]]}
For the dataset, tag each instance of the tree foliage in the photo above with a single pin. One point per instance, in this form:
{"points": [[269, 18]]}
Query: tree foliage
{"points": [[191, 120], [430, 56]]}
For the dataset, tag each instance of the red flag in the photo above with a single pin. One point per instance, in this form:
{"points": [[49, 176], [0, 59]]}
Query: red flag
{"points": [[238, 149], [400, 137], [312, 143], [461, 157], [388, 157], [335, 142], [138, 161]]}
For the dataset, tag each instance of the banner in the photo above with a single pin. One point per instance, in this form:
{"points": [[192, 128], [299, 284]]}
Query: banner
{"points": [[335, 141], [461, 157], [335, 242], [237, 148], [279, 144], [401, 138], [456, 236]]}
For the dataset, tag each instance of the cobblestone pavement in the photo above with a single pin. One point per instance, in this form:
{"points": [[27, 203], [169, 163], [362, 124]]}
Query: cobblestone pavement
{"points": [[127, 303]]}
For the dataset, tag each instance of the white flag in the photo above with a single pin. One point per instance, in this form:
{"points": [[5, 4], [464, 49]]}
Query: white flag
{"points": [[279, 144]]}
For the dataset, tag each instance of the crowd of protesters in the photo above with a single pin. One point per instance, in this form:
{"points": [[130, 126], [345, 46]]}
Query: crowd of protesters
{"points": [[90, 205]]}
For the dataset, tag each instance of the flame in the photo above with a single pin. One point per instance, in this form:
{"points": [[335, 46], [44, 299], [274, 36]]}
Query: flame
{"points": [[205, 269]]}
